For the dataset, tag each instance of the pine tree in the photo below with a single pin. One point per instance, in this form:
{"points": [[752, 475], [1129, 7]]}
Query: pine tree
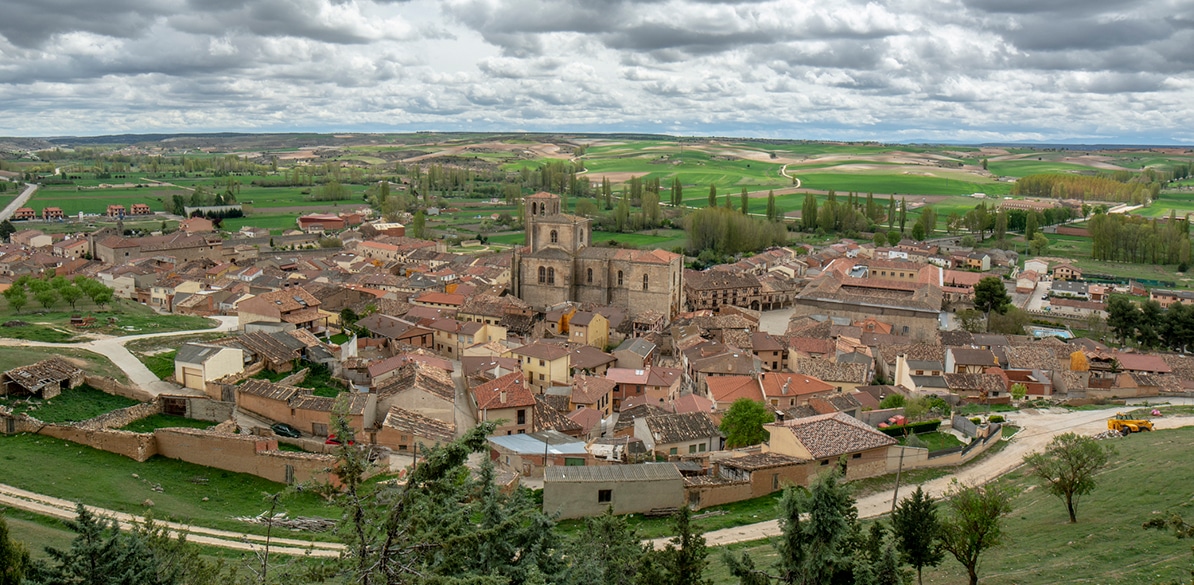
{"points": [[14, 557], [914, 524], [100, 555], [684, 560]]}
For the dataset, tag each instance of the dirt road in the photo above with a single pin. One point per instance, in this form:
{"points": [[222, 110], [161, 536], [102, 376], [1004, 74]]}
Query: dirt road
{"points": [[58, 508], [1038, 428]]}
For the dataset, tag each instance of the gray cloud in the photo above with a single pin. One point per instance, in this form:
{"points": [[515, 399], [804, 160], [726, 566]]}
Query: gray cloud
{"points": [[923, 69]]}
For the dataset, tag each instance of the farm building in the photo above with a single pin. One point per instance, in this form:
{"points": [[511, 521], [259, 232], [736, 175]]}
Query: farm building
{"points": [[44, 379]]}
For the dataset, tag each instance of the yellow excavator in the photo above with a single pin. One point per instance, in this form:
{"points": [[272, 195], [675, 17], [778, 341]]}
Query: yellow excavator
{"points": [[1124, 425]]}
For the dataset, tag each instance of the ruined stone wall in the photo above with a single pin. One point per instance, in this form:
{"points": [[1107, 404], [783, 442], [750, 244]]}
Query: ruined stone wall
{"points": [[294, 379], [122, 416], [111, 386]]}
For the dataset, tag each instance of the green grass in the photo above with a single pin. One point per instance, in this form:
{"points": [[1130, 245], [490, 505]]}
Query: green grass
{"points": [[37, 532], [934, 441], [339, 338], [161, 364], [93, 363], [1107, 545], [165, 421], [265, 220], [1024, 167], [111, 481], [898, 183], [128, 318], [72, 405], [319, 379], [96, 201]]}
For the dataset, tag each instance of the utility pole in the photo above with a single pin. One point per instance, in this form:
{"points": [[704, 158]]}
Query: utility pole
{"points": [[895, 494]]}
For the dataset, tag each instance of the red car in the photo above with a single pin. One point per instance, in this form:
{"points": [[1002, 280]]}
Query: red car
{"points": [[332, 440]]}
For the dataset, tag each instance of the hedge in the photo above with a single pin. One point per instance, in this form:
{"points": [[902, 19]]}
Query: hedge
{"points": [[927, 426], [995, 418]]}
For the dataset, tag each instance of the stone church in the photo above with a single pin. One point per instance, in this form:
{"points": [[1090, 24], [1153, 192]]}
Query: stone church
{"points": [[558, 264]]}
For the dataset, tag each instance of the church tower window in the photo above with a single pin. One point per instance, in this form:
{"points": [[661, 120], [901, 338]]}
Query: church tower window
{"points": [[542, 275], [589, 275], [644, 282], [619, 278], [551, 276], [555, 237]]}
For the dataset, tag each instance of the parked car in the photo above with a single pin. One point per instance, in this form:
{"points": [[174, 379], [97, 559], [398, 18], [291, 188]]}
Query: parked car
{"points": [[285, 430], [332, 440]]}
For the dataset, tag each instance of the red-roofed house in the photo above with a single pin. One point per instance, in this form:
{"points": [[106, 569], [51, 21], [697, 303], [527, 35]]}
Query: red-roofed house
{"points": [[439, 300], [507, 400], [724, 390], [24, 214], [1139, 362], [784, 390]]}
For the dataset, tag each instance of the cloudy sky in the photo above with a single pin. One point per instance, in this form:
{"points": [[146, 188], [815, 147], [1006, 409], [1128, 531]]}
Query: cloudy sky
{"points": [[1094, 71]]}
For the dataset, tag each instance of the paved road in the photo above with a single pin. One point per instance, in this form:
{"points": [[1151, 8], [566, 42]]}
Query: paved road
{"points": [[19, 202], [1038, 430], [113, 348]]}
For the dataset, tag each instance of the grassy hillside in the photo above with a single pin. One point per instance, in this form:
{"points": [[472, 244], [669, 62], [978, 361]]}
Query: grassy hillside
{"points": [[1150, 475]]}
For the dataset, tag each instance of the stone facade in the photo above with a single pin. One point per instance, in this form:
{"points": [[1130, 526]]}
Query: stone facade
{"points": [[559, 264]]}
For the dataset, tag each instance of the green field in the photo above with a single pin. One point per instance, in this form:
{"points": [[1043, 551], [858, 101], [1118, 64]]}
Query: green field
{"points": [[1182, 203], [899, 183], [111, 481], [272, 222], [73, 405], [1025, 167], [96, 201], [1107, 545], [120, 317]]}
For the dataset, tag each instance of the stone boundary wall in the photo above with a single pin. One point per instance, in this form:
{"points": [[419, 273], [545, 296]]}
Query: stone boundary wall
{"points": [[110, 386], [242, 454], [717, 494], [135, 446]]}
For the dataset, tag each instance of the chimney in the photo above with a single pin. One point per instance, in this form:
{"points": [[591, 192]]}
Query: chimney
{"points": [[784, 390], [502, 397]]}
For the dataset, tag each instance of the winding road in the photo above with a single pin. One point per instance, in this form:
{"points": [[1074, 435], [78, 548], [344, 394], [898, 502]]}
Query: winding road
{"points": [[1037, 429]]}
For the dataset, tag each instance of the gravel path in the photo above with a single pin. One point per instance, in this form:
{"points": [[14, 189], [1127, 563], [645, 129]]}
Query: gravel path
{"points": [[64, 509]]}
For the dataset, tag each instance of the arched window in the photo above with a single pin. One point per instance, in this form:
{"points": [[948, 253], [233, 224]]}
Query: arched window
{"points": [[644, 282], [589, 275], [619, 278], [534, 208], [551, 276], [555, 237], [542, 275]]}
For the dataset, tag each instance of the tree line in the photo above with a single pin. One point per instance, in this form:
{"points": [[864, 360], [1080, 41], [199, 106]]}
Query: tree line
{"points": [[1121, 187], [1149, 326], [1127, 238]]}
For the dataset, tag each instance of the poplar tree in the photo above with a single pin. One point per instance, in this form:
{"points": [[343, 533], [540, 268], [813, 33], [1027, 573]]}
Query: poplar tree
{"points": [[712, 195], [745, 202], [772, 213]]}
